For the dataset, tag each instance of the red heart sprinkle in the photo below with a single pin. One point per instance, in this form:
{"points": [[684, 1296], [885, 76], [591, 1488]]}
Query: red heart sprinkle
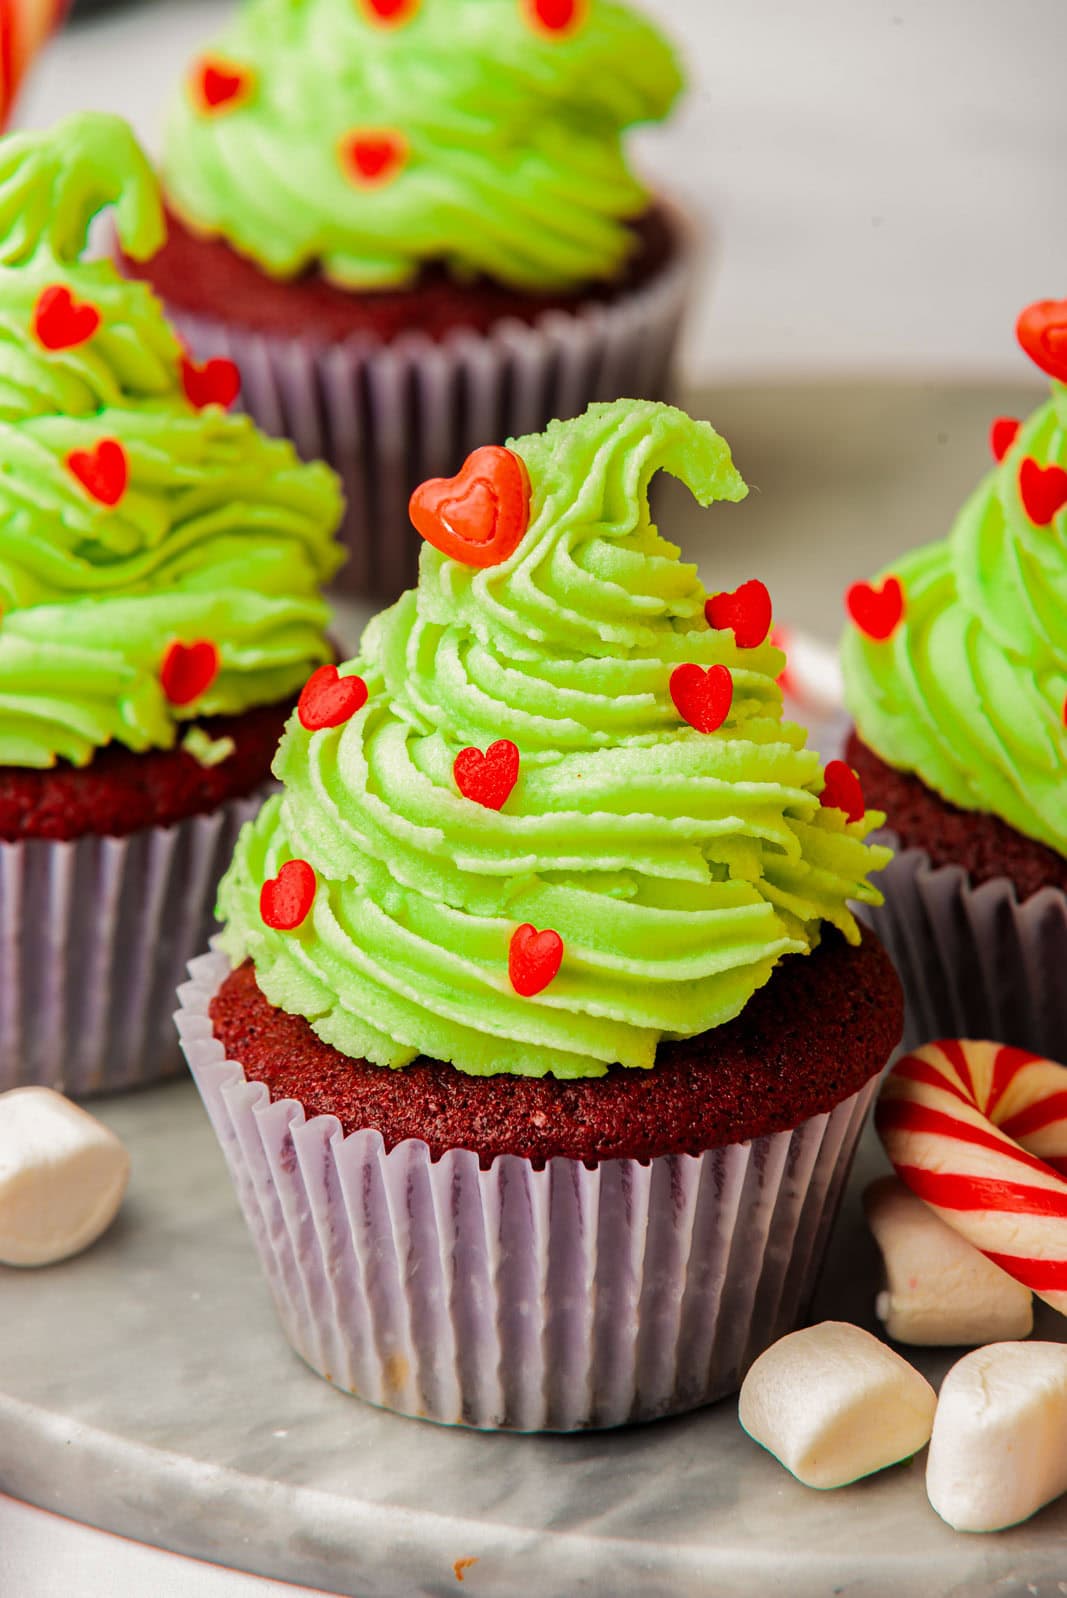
{"points": [[479, 516], [60, 322], [328, 700], [1042, 332], [877, 612], [843, 791], [188, 670], [1043, 490], [1002, 435], [392, 12], [555, 16], [533, 959], [284, 900], [702, 698], [372, 156], [487, 779], [747, 610], [217, 382], [104, 471], [221, 84]]}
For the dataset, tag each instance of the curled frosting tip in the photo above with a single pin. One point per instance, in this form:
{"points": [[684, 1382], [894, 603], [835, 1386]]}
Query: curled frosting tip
{"points": [[53, 183]]}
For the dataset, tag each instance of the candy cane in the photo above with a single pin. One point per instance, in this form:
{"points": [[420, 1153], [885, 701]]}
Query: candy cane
{"points": [[24, 27], [979, 1132]]}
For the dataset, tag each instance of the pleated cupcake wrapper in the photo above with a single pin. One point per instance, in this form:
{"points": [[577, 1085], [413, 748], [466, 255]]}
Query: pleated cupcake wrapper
{"points": [[973, 960], [532, 1300], [387, 416], [95, 935]]}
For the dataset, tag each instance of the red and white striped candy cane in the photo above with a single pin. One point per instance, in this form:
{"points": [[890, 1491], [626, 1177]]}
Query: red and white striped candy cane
{"points": [[24, 27], [979, 1132]]}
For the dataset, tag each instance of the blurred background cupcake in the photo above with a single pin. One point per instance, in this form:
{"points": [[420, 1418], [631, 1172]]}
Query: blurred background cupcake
{"points": [[549, 1031], [413, 225], [160, 577], [956, 674]]}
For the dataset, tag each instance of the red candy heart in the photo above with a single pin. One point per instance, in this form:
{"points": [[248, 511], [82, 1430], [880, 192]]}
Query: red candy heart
{"points": [[487, 779], [555, 16], [392, 12], [328, 699], [60, 322], [479, 516], [188, 670], [1043, 490], [284, 900], [372, 156], [217, 382], [703, 698], [1042, 332], [533, 959], [843, 791], [876, 611], [747, 610], [1002, 435], [221, 84], [103, 472]]}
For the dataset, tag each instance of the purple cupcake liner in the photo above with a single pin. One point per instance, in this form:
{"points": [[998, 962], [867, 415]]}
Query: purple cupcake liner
{"points": [[516, 1298], [95, 934], [974, 961], [389, 415]]}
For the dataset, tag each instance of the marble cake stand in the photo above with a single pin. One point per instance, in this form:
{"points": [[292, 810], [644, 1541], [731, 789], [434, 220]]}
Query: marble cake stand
{"points": [[146, 1389]]}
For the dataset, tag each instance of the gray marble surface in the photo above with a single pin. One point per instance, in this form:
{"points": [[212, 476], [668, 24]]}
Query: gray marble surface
{"points": [[145, 1388]]}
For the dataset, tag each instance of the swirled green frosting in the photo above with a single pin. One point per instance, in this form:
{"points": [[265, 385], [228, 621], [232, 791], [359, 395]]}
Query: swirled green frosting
{"points": [[969, 691], [678, 867], [221, 534], [513, 160]]}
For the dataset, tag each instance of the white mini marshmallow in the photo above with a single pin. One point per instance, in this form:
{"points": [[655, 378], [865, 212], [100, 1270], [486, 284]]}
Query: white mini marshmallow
{"points": [[999, 1448], [940, 1291], [833, 1403], [62, 1177]]}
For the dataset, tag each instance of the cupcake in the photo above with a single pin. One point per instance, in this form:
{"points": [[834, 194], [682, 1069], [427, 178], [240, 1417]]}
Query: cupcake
{"points": [[159, 593], [413, 226], [540, 1032], [956, 677]]}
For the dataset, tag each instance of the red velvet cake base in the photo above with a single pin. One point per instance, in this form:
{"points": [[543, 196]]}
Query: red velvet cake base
{"points": [[207, 276], [120, 792], [820, 1029], [984, 845]]}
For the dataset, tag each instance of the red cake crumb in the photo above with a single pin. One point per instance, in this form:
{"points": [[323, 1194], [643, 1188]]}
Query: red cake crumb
{"points": [[820, 1029], [983, 844], [120, 792], [206, 276]]}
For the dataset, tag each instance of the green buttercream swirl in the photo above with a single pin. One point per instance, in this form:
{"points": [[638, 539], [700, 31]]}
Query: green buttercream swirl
{"points": [[515, 165], [678, 867], [221, 534], [969, 691]]}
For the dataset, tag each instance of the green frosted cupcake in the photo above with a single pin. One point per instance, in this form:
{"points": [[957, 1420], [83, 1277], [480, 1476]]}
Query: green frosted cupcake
{"points": [[956, 676], [415, 228], [160, 591], [545, 953]]}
